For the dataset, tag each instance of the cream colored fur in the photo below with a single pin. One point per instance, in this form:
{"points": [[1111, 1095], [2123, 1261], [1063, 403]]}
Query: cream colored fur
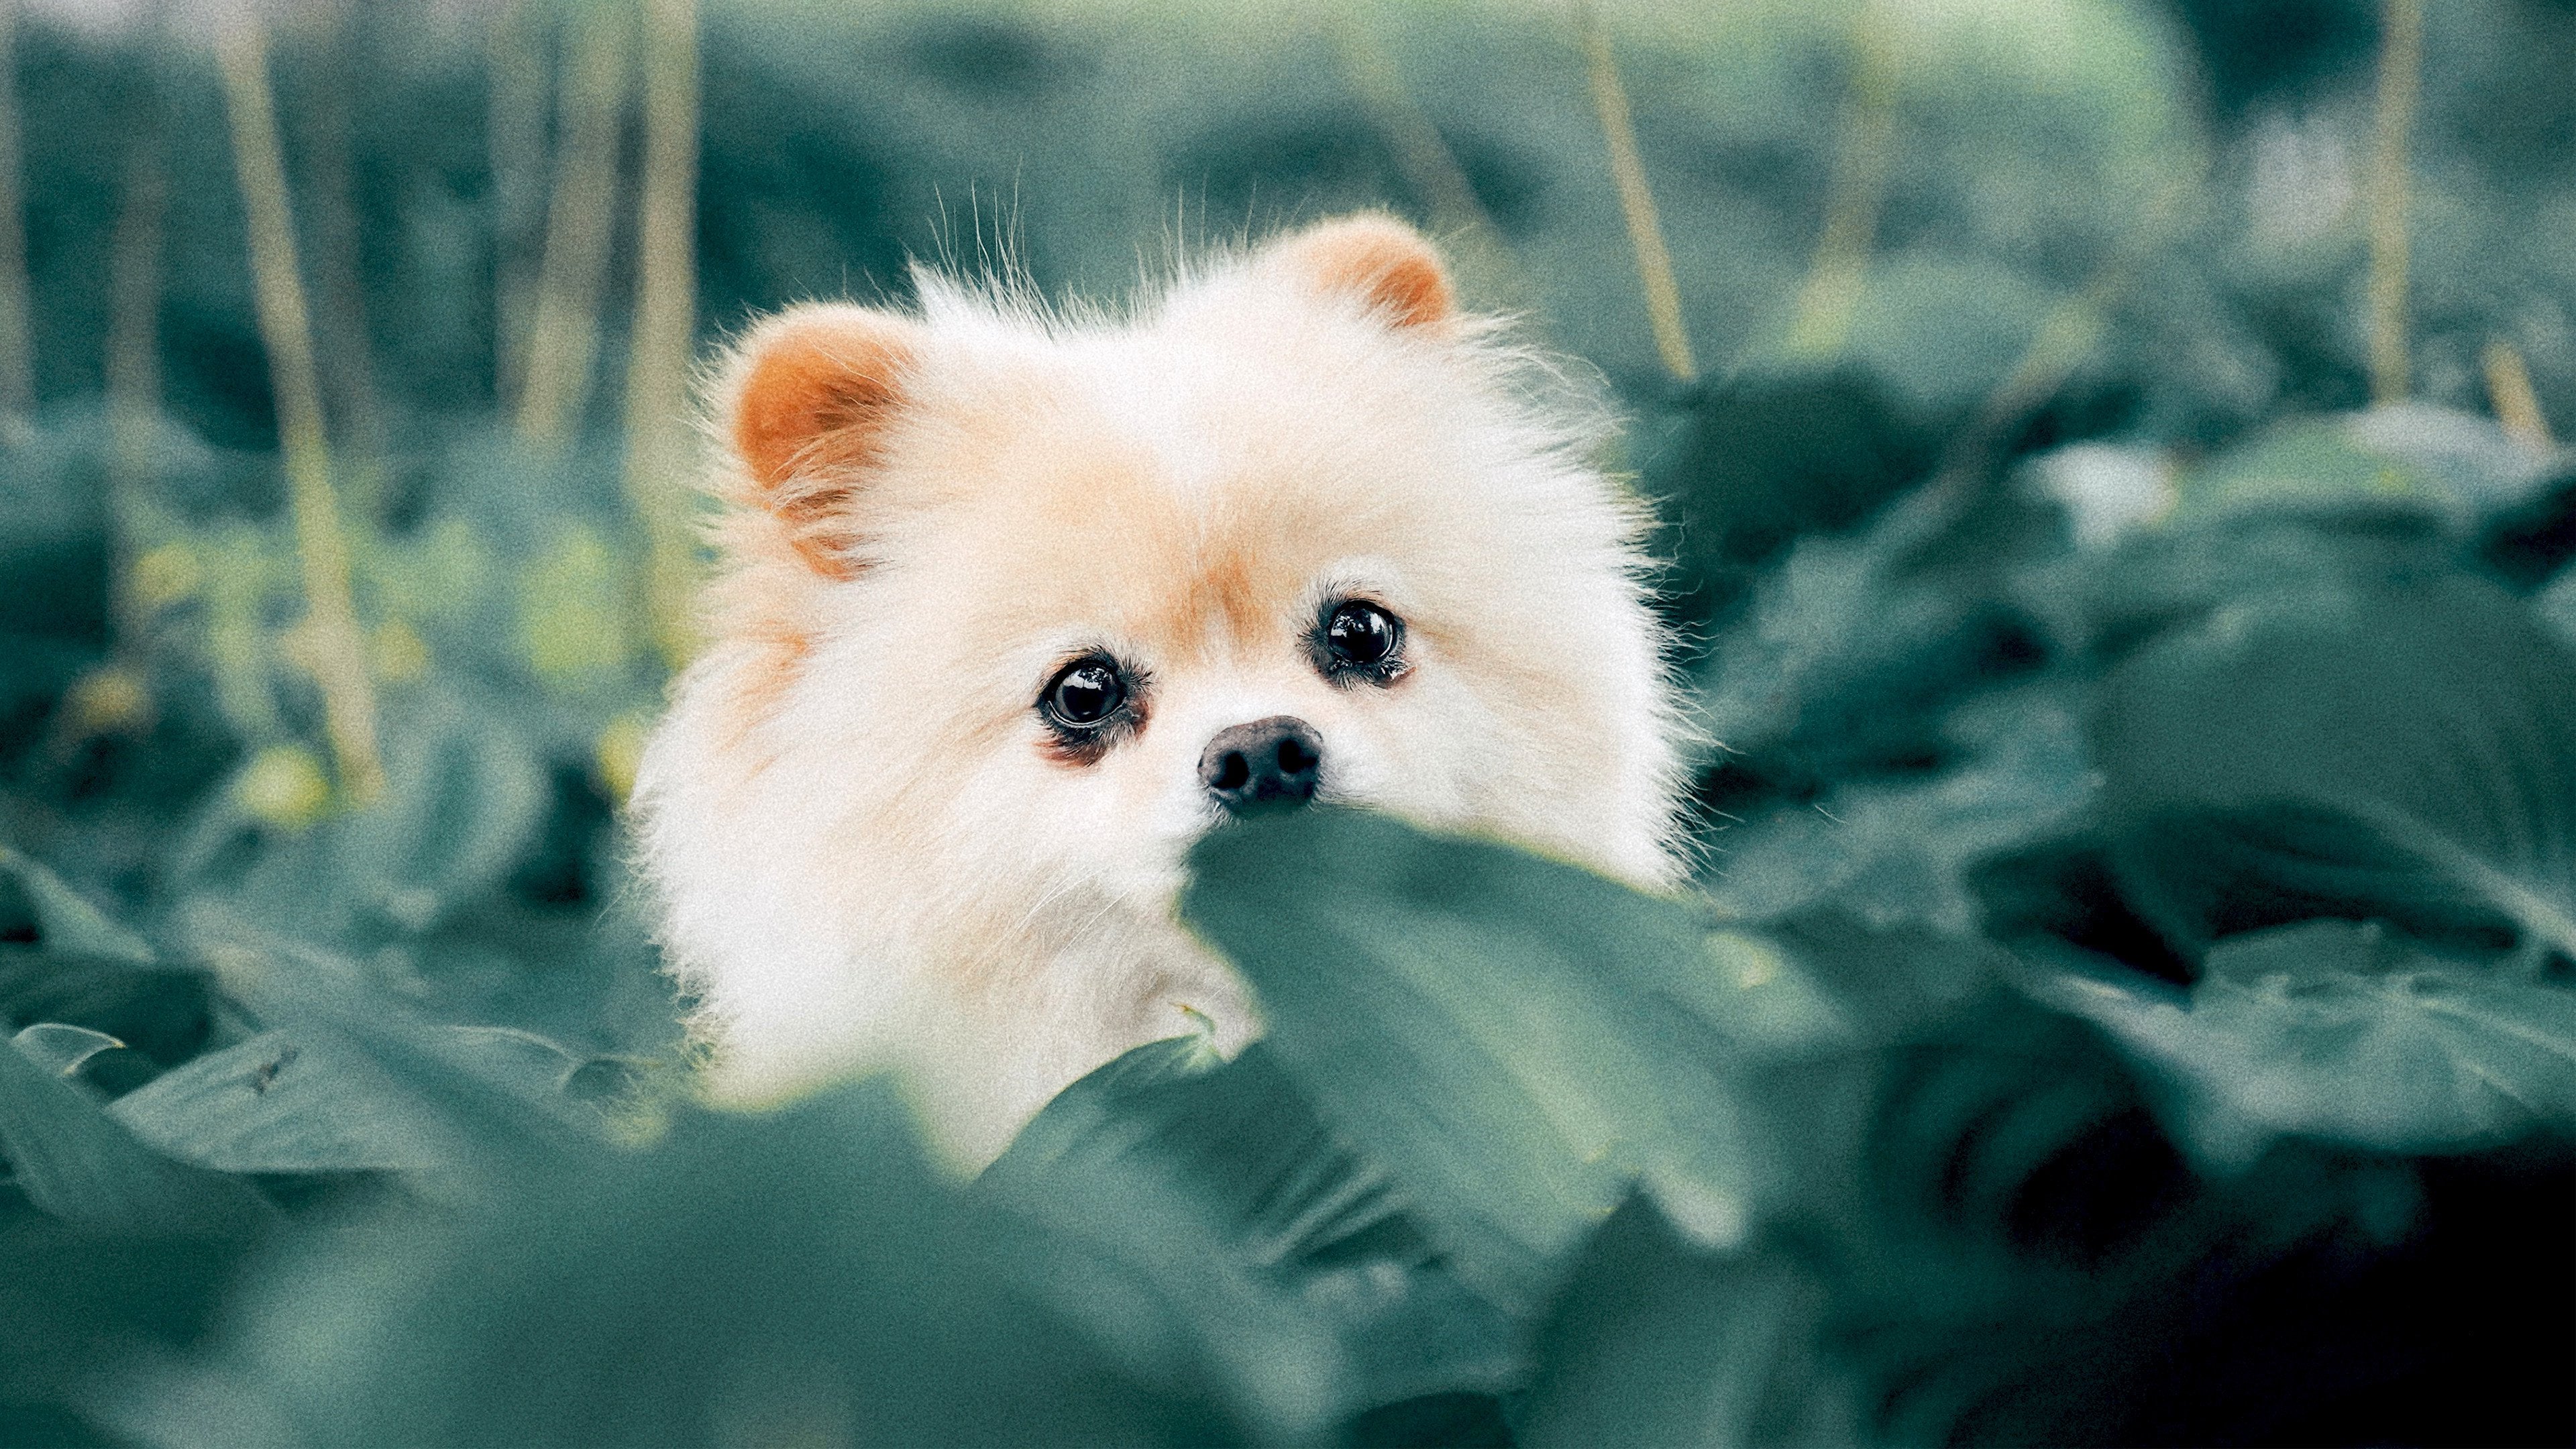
{"points": [[864, 852]]}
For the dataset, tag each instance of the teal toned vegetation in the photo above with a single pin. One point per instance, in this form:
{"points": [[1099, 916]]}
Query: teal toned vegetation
{"points": [[2105, 454]]}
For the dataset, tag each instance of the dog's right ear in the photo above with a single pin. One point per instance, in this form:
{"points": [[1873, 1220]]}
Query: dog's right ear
{"points": [[810, 396]]}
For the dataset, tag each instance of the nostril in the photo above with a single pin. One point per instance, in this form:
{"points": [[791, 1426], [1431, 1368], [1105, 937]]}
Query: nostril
{"points": [[1232, 772], [1278, 760]]}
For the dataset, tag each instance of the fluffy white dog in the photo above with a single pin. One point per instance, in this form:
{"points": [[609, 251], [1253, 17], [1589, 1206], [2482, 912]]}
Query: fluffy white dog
{"points": [[1018, 603]]}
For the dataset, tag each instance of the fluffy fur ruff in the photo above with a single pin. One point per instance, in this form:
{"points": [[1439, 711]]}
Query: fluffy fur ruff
{"points": [[870, 846]]}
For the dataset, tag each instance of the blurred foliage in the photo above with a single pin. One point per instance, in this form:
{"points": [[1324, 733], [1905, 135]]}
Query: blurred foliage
{"points": [[2127, 994]]}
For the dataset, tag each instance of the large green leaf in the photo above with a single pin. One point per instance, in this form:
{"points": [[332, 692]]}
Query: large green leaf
{"points": [[1656, 1341], [801, 1276], [77, 1305], [77, 1164], [1519, 1039], [1895, 851], [2405, 752], [2347, 1032], [1279, 1207], [1160, 1243], [274, 1104]]}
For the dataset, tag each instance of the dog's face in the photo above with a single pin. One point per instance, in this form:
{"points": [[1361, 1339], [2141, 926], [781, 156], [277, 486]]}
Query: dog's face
{"points": [[1019, 609]]}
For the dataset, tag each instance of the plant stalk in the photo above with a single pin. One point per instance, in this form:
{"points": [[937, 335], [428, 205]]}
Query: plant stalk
{"points": [[515, 123], [580, 220], [134, 361], [2517, 404], [1430, 168], [2401, 66], [659, 442], [332, 227], [1864, 150], [1637, 201], [17, 348], [333, 649]]}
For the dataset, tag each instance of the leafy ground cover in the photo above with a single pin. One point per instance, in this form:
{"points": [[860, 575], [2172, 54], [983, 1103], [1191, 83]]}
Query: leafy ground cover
{"points": [[2130, 992]]}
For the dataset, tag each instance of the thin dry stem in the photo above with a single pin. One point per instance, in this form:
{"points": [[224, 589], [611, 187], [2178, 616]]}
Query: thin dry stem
{"points": [[327, 133], [1637, 202], [579, 224], [332, 647], [2401, 67], [1430, 169], [658, 438], [515, 121], [17, 352], [2517, 406], [1830, 296], [134, 355], [134, 310]]}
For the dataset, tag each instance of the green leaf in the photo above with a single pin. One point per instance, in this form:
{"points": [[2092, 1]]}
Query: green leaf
{"points": [[2316, 462], [1655, 1341], [354, 1081], [38, 910], [1518, 1039], [2556, 606], [1148, 1240], [62, 1049], [77, 1164], [1281, 1206], [805, 1275], [2404, 753], [1896, 852], [464, 795], [267, 1105], [2346, 1032]]}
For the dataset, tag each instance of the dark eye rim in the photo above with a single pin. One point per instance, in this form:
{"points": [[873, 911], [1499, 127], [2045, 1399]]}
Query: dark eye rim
{"points": [[1382, 671], [1081, 742], [1056, 682]]}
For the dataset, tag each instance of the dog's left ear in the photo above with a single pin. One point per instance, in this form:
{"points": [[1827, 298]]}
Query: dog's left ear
{"points": [[806, 404], [1375, 260]]}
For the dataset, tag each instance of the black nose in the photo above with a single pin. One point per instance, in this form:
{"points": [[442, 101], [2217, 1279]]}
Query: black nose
{"points": [[1270, 761]]}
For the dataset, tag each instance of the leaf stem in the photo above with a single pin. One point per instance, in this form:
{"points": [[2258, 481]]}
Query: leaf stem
{"points": [[332, 224], [1637, 201], [515, 123], [1864, 152], [17, 351], [1429, 167], [565, 340], [2401, 64], [333, 650], [2517, 406], [658, 451], [134, 359]]}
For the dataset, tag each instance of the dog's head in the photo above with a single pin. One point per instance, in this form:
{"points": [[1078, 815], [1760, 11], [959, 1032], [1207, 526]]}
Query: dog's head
{"points": [[1018, 605]]}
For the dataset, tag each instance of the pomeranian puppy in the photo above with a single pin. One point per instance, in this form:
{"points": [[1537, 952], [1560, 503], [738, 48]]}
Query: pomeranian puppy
{"points": [[1018, 602]]}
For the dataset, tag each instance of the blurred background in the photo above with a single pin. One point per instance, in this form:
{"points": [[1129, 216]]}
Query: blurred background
{"points": [[344, 348], [2106, 455]]}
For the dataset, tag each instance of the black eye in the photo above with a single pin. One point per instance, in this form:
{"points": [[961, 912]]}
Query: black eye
{"points": [[1361, 638], [1085, 693]]}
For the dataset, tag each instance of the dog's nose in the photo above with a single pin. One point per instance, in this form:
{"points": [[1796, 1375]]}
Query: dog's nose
{"points": [[1270, 761]]}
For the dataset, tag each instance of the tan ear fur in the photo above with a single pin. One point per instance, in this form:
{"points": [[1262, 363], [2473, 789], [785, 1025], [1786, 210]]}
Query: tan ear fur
{"points": [[815, 389], [1376, 260]]}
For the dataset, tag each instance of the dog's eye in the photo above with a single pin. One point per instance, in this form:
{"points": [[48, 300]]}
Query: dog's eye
{"points": [[1085, 693], [1360, 638]]}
